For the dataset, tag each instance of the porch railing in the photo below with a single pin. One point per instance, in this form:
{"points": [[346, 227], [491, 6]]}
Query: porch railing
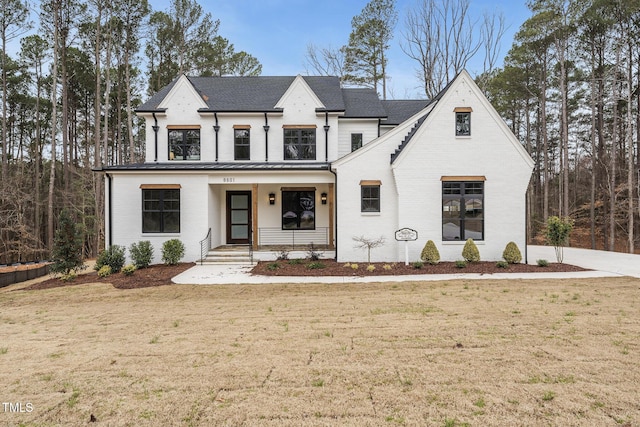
{"points": [[276, 236], [205, 246]]}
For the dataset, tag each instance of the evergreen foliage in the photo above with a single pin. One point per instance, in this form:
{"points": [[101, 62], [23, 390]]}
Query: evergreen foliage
{"points": [[141, 253], [470, 251], [511, 253], [113, 256], [67, 246], [430, 253], [172, 251]]}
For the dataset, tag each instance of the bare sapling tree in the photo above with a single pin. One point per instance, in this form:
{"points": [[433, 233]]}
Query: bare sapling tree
{"points": [[368, 244]]}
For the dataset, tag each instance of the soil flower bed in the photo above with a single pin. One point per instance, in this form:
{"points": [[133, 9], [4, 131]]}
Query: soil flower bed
{"points": [[301, 267]]}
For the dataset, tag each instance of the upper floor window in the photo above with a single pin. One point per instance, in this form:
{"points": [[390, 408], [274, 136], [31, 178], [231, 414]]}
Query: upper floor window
{"points": [[184, 144], [462, 210], [241, 146], [160, 209], [463, 121], [299, 143], [356, 141]]}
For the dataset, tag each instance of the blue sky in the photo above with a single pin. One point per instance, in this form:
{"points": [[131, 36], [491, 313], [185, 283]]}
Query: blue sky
{"points": [[277, 32]]}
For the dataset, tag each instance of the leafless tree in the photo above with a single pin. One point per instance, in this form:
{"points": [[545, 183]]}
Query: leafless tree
{"points": [[368, 244], [442, 37]]}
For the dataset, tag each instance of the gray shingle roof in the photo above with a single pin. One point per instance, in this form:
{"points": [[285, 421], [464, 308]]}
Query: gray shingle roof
{"points": [[260, 93], [362, 103], [399, 111]]}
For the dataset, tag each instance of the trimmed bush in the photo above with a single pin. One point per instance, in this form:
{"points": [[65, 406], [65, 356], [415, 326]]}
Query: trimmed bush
{"points": [[470, 251], [141, 253], [128, 270], [104, 271], [418, 264], [430, 253], [461, 263], [502, 264], [512, 254], [172, 251], [542, 263], [113, 256]]}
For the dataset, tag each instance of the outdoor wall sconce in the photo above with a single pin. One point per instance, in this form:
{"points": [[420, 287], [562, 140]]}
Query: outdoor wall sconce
{"points": [[323, 198], [272, 198]]}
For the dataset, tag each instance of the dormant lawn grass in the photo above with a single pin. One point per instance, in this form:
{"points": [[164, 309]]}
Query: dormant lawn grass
{"points": [[476, 353]]}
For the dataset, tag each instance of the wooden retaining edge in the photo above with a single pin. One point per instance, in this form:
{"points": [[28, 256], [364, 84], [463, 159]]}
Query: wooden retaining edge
{"points": [[18, 276]]}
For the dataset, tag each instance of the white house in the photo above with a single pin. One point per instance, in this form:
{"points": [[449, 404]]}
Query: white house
{"points": [[283, 162]]}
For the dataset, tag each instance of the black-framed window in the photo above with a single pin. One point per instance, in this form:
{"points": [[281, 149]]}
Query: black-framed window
{"points": [[463, 123], [241, 145], [299, 144], [298, 210], [161, 210], [184, 144], [370, 198], [462, 210], [356, 141]]}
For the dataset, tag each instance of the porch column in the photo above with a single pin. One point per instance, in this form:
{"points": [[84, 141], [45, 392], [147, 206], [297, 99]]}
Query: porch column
{"points": [[331, 214], [254, 214]]}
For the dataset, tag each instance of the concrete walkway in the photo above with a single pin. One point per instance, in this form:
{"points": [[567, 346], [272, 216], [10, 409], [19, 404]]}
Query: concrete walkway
{"points": [[602, 264]]}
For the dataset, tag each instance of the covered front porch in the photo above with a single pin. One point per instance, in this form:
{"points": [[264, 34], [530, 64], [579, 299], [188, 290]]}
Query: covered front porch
{"points": [[271, 212]]}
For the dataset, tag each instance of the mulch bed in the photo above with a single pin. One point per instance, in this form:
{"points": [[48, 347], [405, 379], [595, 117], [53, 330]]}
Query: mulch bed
{"points": [[332, 268], [154, 275], [159, 275]]}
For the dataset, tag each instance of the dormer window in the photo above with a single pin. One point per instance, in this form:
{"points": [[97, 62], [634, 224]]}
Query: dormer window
{"points": [[463, 121]]}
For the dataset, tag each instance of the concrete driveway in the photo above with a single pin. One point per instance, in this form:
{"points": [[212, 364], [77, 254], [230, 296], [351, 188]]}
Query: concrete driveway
{"points": [[609, 262]]}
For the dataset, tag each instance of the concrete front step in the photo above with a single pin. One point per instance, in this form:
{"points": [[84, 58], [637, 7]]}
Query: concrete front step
{"points": [[227, 257]]}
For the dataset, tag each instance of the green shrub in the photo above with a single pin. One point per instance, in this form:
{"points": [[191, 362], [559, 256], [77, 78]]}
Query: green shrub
{"points": [[70, 276], [273, 266], [128, 270], [104, 271], [315, 265], [67, 246], [371, 268], [113, 256], [511, 253], [502, 264], [141, 253], [470, 251], [418, 264], [172, 251], [430, 253], [461, 263], [296, 261], [542, 263]]}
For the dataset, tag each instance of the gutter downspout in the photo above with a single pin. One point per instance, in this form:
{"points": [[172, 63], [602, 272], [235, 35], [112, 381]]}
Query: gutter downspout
{"points": [[156, 128], [266, 138], [216, 128], [335, 207], [109, 211], [379, 123], [326, 136]]}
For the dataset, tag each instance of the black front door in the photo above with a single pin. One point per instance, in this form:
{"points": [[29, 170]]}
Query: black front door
{"points": [[238, 217]]}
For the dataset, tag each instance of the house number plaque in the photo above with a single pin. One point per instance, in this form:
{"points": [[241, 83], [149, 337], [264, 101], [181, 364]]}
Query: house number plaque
{"points": [[406, 235]]}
